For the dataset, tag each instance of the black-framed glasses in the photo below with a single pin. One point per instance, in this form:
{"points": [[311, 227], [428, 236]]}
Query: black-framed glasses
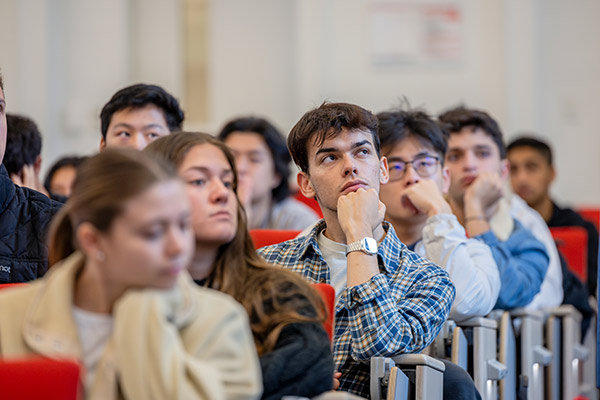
{"points": [[425, 166]]}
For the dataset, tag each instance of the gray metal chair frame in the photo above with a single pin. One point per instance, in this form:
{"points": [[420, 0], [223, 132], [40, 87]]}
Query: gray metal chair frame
{"points": [[407, 377]]}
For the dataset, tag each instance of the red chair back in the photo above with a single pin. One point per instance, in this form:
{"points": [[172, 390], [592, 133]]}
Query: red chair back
{"points": [[590, 214], [328, 294], [10, 285], [311, 202], [571, 241], [266, 237], [39, 378]]}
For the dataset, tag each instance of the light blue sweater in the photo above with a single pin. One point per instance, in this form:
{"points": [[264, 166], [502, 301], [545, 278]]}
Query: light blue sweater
{"points": [[522, 261]]}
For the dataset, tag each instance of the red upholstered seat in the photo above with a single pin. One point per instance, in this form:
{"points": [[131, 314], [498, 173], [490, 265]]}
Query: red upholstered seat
{"points": [[39, 378], [10, 285], [591, 214], [328, 294], [571, 241], [266, 237]]}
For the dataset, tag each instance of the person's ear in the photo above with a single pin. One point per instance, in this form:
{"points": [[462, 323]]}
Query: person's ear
{"points": [[305, 185], [276, 180], [504, 169], [102, 143], [445, 180], [384, 171], [552, 174], [37, 165], [89, 240]]}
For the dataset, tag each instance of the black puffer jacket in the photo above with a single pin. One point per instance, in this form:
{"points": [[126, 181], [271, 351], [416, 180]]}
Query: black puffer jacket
{"points": [[300, 365], [25, 216]]}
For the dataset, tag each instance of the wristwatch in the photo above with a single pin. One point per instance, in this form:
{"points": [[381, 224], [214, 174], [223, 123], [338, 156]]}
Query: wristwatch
{"points": [[367, 245]]}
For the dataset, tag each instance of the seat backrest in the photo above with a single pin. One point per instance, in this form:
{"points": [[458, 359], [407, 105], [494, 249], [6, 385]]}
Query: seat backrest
{"points": [[39, 378], [591, 214], [311, 202], [266, 237], [10, 285], [328, 294], [572, 241]]}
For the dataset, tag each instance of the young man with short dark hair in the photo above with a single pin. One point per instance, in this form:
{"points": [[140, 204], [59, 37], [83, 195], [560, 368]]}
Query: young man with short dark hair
{"points": [[531, 174], [137, 115], [22, 157], [414, 146], [263, 165], [521, 243], [25, 215], [389, 300]]}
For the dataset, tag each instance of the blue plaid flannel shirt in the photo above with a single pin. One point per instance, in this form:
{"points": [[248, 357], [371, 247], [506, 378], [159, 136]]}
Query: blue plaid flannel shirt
{"points": [[398, 311]]}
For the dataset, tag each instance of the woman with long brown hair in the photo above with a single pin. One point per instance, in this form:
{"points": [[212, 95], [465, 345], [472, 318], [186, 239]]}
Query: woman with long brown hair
{"points": [[286, 314], [115, 297]]}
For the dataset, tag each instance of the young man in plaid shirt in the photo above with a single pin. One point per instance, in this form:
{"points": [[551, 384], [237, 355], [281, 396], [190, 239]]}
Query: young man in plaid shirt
{"points": [[389, 300]]}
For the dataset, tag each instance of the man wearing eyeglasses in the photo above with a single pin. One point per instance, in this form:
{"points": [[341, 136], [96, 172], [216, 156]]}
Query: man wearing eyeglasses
{"points": [[414, 198]]}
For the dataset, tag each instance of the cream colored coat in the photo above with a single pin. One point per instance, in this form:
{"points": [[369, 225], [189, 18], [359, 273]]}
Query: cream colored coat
{"points": [[185, 343]]}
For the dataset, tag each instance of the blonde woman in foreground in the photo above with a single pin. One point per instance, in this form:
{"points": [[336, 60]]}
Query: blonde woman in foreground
{"points": [[117, 297]]}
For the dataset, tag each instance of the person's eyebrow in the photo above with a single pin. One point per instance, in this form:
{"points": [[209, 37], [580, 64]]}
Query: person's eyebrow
{"points": [[326, 150], [123, 125], [419, 155], [206, 170], [198, 168], [361, 143], [333, 149], [255, 152], [153, 126]]}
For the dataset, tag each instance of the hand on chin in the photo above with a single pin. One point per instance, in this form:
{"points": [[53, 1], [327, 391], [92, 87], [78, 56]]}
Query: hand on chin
{"points": [[406, 203]]}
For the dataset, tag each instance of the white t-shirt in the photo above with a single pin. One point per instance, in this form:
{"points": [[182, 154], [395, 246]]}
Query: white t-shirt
{"points": [[94, 331], [334, 254]]}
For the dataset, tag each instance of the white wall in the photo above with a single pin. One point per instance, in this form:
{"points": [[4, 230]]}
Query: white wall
{"points": [[569, 95], [63, 59], [533, 64], [251, 64]]}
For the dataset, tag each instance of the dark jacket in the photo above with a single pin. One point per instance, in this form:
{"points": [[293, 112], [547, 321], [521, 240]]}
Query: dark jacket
{"points": [[25, 216], [301, 363]]}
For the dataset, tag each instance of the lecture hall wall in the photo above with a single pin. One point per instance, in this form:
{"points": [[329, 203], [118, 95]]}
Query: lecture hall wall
{"points": [[533, 64]]}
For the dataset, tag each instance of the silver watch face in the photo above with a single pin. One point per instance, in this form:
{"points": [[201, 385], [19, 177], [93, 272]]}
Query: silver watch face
{"points": [[369, 245]]}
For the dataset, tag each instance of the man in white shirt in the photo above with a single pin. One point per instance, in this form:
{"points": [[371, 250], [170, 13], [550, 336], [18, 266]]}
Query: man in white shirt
{"points": [[415, 147]]}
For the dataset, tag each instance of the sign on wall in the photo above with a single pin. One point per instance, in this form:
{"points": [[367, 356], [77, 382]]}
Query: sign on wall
{"points": [[416, 34]]}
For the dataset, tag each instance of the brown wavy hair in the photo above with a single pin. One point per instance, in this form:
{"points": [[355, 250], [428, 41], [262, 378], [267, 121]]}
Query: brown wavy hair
{"points": [[272, 296], [103, 185]]}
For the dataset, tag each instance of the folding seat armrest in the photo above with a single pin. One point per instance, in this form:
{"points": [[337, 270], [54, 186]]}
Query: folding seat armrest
{"points": [[565, 310], [479, 322], [525, 313], [395, 375], [418, 360], [580, 352]]}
